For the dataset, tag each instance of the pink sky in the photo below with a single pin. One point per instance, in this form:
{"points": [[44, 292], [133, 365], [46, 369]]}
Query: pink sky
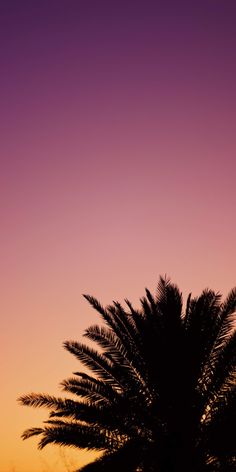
{"points": [[117, 165]]}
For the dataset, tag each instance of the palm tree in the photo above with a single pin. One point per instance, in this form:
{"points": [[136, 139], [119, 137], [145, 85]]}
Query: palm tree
{"points": [[161, 396]]}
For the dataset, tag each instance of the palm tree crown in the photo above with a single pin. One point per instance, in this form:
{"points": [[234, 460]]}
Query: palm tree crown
{"points": [[161, 394]]}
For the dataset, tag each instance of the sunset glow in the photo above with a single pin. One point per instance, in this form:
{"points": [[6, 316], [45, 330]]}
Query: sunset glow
{"points": [[117, 165]]}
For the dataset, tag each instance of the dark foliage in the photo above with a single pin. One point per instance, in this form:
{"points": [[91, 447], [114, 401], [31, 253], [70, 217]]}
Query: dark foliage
{"points": [[161, 394]]}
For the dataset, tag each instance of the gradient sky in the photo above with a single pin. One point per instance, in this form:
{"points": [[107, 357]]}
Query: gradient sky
{"points": [[118, 164]]}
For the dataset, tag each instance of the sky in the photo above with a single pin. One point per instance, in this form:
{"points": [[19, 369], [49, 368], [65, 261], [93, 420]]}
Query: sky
{"points": [[118, 164]]}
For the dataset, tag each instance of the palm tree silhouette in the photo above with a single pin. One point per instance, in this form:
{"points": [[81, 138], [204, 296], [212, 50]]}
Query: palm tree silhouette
{"points": [[162, 393]]}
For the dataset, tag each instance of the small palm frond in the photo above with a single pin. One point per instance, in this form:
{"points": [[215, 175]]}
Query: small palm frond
{"points": [[200, 327], [95, 304], [146, 307], [162, 286], [79, 411], [106, 420], [203, 312], [39, 400], [115, 350], [108, 390], [223, 368], [60, 407], [169, 304], [108, 341], [150, 299], [107, 313], [229, 305], [124, 329], [133, 312], [223, 342], [91, 389], [98, 363], [187, 310], [70, 434], [29, 433], [125, 322]]}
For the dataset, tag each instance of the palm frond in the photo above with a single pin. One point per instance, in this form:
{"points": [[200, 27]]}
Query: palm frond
{"points": [[120, 323], [201, 328], [91, 389], [161, 291], [108, 341], [222, 365], [169, 304], [115, 350], [74, 435], [150, 299], [39, 400], [229, 305], [98, 363], [29, 433]]}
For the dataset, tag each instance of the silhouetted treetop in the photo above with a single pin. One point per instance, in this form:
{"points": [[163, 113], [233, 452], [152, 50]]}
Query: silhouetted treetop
{"points": [[160, 395]]}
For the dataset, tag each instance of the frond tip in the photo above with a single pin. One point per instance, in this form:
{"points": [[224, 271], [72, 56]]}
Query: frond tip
{"points": [[28, 433]]}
